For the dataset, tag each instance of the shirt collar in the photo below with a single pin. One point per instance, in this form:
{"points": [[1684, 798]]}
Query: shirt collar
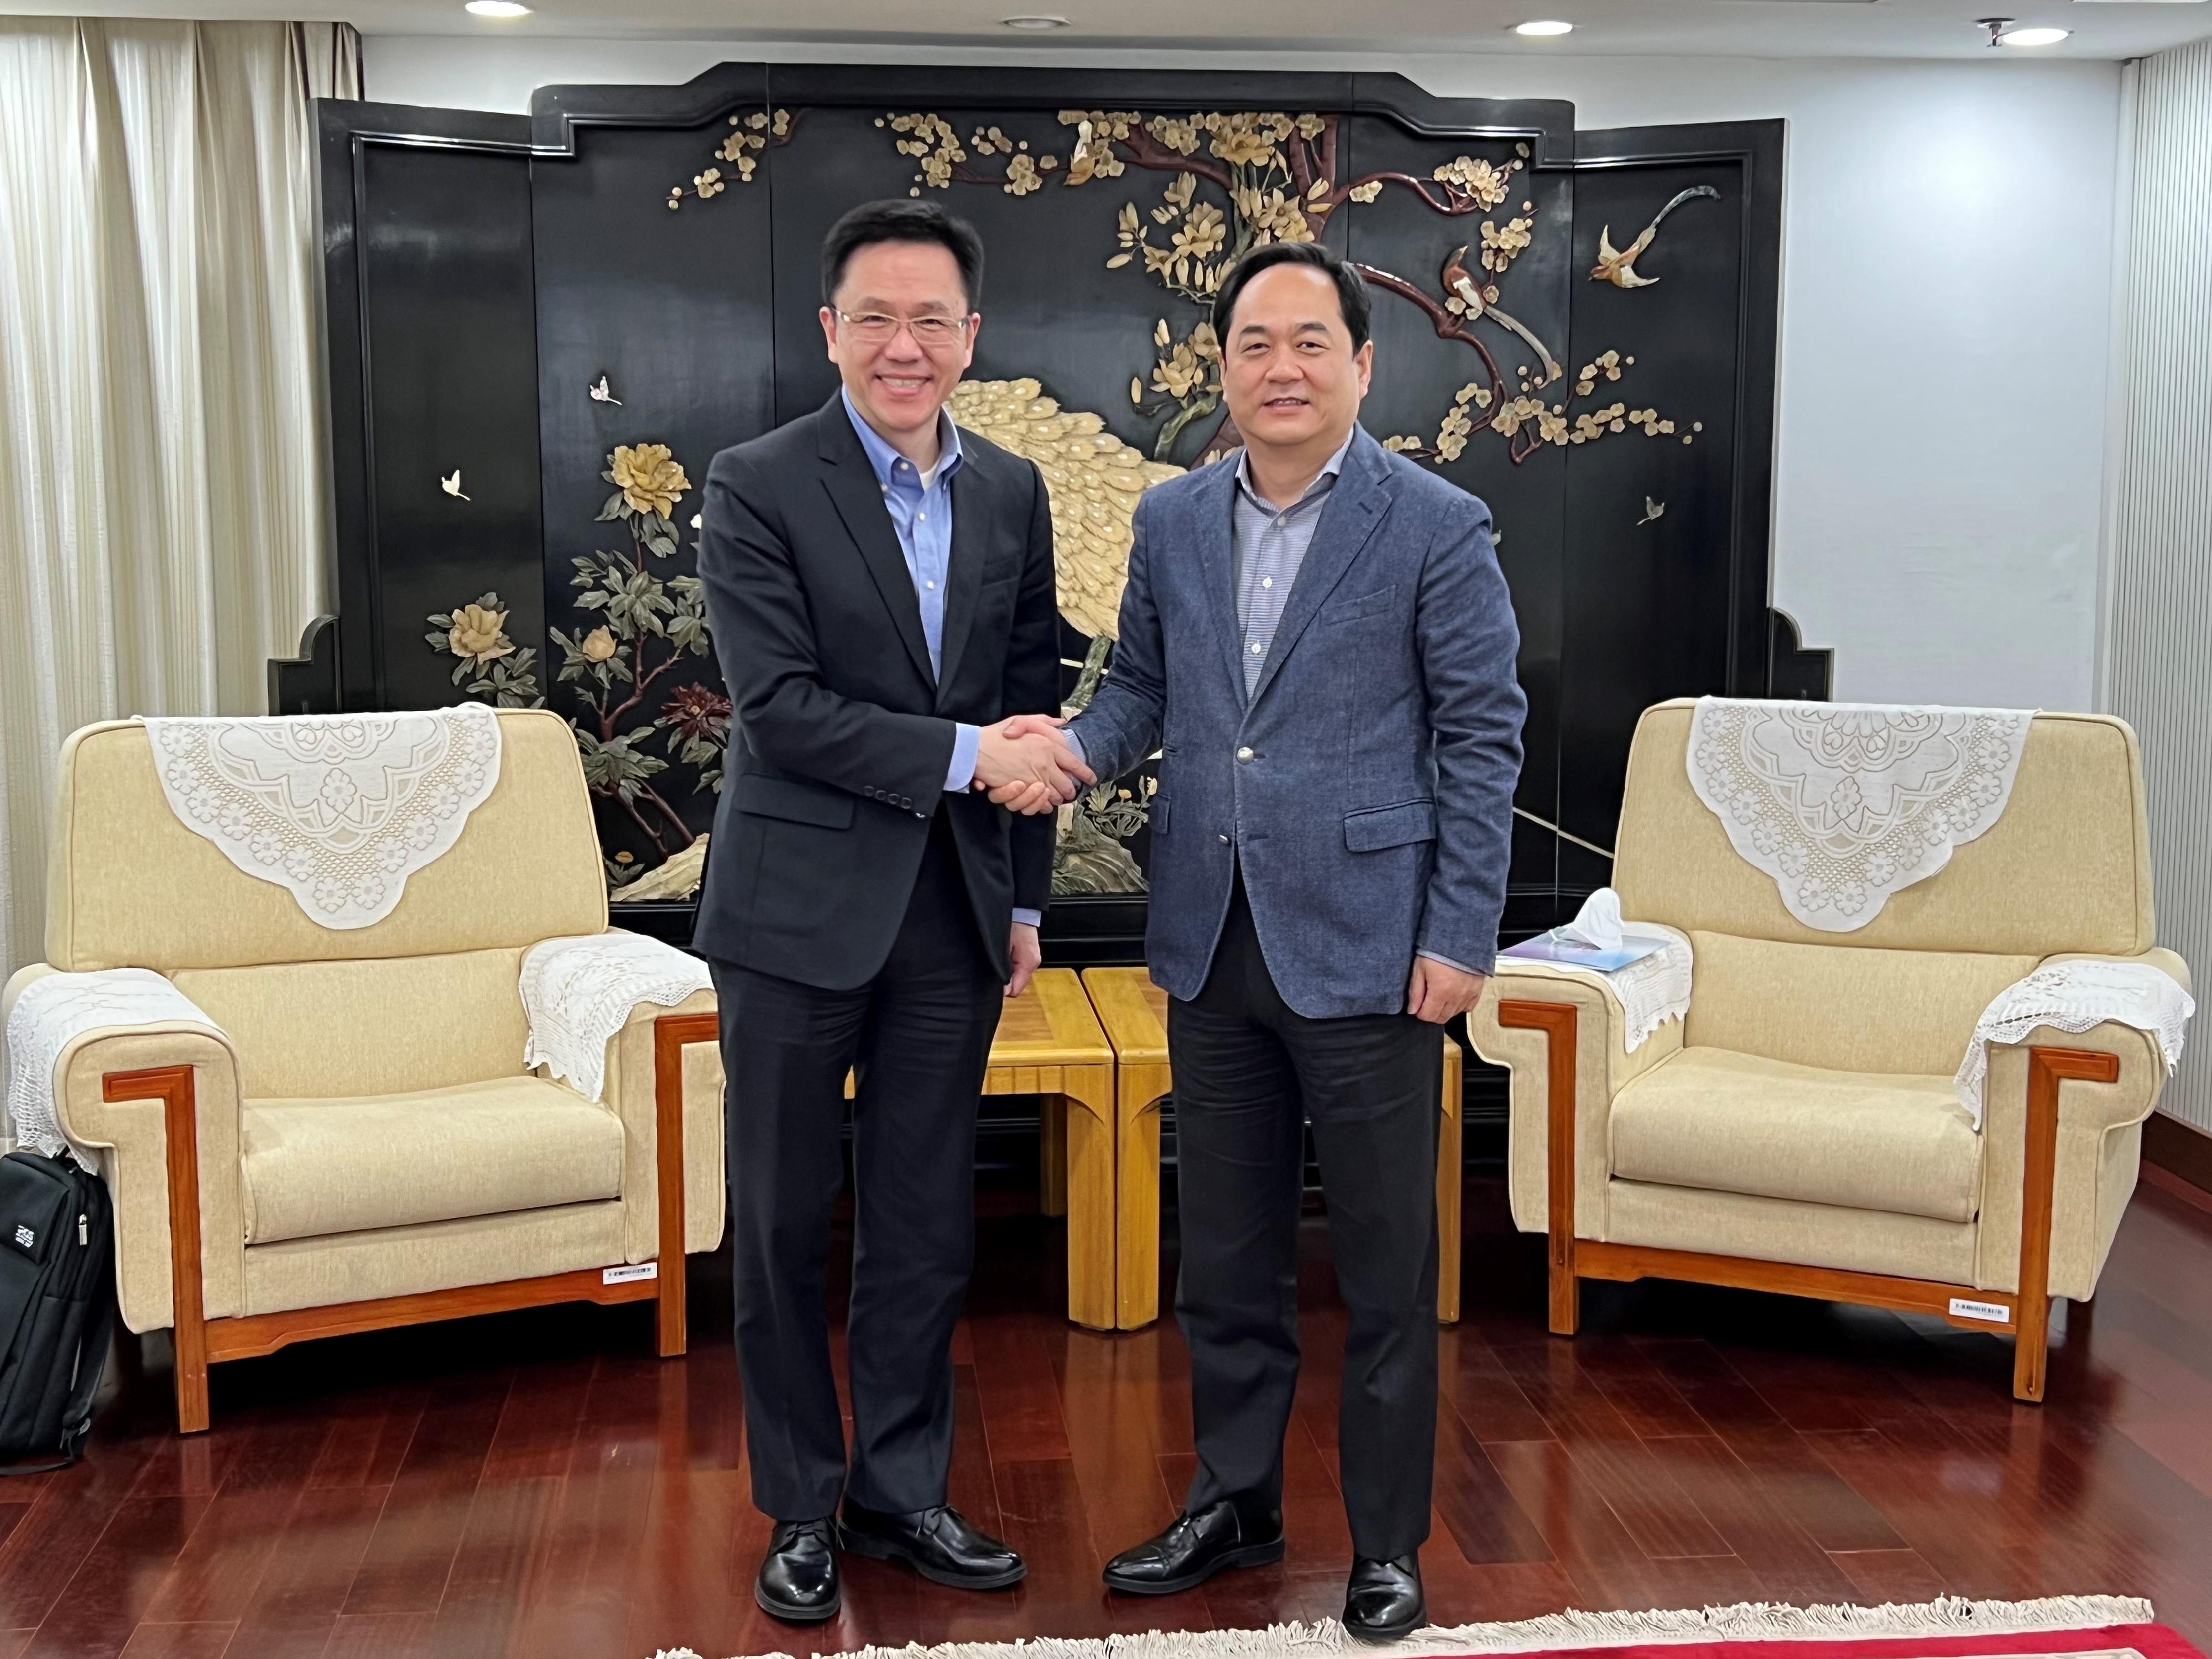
{"points": [[883, 459], [1326, 479]]}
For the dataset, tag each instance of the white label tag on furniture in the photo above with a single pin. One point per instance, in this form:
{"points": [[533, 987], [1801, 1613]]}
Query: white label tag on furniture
{"points": [[652, 1270], [1996, 1312]]}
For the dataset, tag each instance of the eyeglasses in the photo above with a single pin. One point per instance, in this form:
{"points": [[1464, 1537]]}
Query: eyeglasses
{"points": [[930, 333]]}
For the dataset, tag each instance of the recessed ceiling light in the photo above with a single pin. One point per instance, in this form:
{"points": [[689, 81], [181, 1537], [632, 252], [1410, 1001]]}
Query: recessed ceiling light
{"points": [[2032, 37], [496, 9], [1544, 25], [1036, 25]]}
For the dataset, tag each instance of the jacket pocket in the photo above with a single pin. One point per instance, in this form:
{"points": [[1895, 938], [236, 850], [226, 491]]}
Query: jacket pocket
{"points": [[793, 802], [1378, 827], [1367, 605]]}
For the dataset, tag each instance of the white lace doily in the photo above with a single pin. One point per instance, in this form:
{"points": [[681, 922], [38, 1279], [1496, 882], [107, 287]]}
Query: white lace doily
{"points": [[1653, 989], [338, 810], [1844, 804], [2074, 996], [54, 1012], [579, 992]]}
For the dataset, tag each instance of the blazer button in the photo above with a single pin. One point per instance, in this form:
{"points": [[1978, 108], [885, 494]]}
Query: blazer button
{"points": [[1244, 755], [1224, 840]]}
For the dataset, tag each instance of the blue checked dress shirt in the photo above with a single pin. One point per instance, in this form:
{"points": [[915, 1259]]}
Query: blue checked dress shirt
{"points": [[921, 506], [1271, 546]]}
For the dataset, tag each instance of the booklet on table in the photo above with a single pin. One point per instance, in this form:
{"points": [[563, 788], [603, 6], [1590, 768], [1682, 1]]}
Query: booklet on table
{"points": [[1571, 953]]}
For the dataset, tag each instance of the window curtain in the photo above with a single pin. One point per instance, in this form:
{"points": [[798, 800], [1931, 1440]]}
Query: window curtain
{"points": [[162, 519]]}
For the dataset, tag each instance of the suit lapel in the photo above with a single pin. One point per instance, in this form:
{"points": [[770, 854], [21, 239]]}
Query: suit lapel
{"points": [[1217, 560], [1348, 518], [858, 499], [972, 505]]}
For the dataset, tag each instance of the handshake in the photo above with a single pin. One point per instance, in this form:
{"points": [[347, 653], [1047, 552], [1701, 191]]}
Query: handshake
{"points": [[1028, 765]]}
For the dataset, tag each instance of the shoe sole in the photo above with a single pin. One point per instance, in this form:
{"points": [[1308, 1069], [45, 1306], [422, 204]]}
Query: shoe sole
{"points": [[876, 1550], [1379, 1634], [1251, 1555], [791, 1614]]}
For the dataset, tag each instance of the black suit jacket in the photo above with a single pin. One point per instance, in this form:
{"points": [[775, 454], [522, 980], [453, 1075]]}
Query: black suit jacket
{"points": [[842, 736]]}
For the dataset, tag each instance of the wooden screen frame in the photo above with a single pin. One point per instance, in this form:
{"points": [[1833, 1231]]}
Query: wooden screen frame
{"points": [[1572, 1259], [201, 1341]]}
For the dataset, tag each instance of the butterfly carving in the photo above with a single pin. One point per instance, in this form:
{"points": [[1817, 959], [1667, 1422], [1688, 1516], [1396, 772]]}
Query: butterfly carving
{"points": [[600, 394], [452, 486]]}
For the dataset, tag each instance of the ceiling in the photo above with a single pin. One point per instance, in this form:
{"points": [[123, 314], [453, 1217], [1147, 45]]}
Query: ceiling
{"points": [[2102, 29]]}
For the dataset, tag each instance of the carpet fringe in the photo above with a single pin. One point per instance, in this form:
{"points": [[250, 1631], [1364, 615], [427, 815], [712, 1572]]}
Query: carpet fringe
{"points": [[1747, 1621]]}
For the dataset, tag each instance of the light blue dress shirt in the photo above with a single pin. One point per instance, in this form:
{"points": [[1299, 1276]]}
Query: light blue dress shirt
{"points": [[921, 509]]}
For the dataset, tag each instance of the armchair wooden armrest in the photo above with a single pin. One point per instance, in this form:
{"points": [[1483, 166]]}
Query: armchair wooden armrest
{"points": [[1603, 1066], [2095, 1107], [160, 1103], [663, 1079]]}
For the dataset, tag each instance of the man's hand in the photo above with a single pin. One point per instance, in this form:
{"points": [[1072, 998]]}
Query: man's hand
{"points": [[1022, 945], [1439, 990], [1037, 797], [1027, 765]]}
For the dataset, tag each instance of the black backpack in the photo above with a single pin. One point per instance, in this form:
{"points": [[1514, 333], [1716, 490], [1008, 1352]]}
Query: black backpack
{"points": [[57, 1307]]}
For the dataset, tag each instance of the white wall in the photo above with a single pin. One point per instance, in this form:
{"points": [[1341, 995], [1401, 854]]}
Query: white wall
{"points": [[1947, 284]]}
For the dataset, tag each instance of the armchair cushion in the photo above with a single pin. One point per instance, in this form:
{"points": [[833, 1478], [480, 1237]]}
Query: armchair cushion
{"points": [[375, 1026], [321, 1166], [1722, 1122], [1848, 1008]]}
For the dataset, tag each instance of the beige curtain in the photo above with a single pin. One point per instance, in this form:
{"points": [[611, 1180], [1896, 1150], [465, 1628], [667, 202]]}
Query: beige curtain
{"points": [[161, 521]]}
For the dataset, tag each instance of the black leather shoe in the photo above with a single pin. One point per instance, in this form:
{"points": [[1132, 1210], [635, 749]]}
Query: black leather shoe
{"points": [[798, 1580], [1383, 1600], [936, 1543], [1199, 1545]]}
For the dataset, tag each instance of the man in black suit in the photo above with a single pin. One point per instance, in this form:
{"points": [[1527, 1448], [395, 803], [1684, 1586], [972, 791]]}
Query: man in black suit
{"points": [[880, 587]]}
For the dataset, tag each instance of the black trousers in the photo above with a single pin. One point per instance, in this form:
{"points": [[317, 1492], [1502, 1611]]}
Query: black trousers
{"points": [[919, 1037], [1248, 1072]]}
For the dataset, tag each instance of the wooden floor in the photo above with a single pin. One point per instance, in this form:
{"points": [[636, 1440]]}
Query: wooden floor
{"points": [[536, 1484]]}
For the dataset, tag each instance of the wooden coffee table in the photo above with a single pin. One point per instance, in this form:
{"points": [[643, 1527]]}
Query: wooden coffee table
{"points": [[1134, 1013]]}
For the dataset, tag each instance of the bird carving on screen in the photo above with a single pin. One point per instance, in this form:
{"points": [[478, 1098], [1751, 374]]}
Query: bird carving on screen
{"points": [[452, 486], [1617, 266], [1460, 283]]}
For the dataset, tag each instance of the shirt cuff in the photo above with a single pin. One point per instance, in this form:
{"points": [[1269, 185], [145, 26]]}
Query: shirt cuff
{"points": [[1027, 917], [1068, 734], [1433, 957], [966, 741]]}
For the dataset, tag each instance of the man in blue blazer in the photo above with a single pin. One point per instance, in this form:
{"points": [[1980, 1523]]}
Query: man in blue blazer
{"points": [[1316, 636]]}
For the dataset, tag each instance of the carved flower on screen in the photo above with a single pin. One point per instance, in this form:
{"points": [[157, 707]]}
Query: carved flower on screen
{"points": [[649, 477], [479, 634], [1474, 176], [696, 712], [598, 645], [1202, 232], [1239, 140]]}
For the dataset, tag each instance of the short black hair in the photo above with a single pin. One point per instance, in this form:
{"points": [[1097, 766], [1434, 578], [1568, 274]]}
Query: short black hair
{"points": [[896, 220], [1353, 296]]}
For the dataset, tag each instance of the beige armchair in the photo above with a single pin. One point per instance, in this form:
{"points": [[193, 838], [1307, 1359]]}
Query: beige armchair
{"points": [[364, 1147], [1798, 1132]]}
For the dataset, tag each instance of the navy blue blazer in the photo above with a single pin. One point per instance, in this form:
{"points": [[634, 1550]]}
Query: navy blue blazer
{"points": [[1366, 787]]}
